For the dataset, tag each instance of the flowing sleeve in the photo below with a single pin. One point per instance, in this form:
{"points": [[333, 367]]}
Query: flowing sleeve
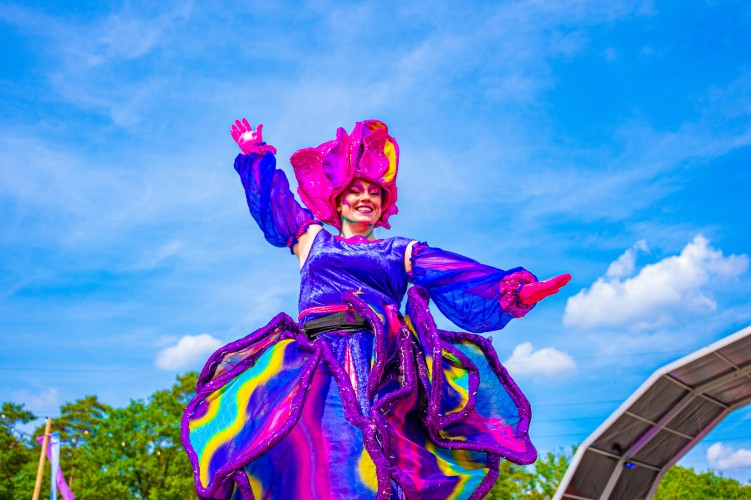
{"points": [[476, 297], [271, 203]]}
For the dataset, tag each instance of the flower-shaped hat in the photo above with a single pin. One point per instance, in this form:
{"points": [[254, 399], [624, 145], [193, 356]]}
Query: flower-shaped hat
{"points": [[323, 173]]}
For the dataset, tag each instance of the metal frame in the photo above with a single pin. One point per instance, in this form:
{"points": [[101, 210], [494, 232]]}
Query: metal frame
{"points": [[699, 391]]}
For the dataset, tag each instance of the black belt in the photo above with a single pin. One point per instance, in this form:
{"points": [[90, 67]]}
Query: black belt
{"points": [[336, 322]]}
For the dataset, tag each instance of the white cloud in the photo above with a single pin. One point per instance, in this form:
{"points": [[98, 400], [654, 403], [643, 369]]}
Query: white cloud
{"points": [[189, 352], [547, 361], [676, 284], [724, 457], [624, 266], [41, 403]]}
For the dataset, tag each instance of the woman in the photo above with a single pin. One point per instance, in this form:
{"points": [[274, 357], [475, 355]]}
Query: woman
{"points": [[356, 400]]}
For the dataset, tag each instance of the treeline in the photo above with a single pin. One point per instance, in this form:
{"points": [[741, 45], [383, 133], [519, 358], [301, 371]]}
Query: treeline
{"points": [[105, 453], [540, 481], [136, 452]]}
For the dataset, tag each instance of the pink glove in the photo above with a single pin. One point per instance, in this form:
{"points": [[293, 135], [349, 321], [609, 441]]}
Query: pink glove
{"points": [[531, 293], [249, 140]]}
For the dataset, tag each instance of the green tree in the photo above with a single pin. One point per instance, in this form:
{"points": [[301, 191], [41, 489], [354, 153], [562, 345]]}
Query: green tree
{"points": [[77, 423], [79, 419], [538, 481], [549, 471], [682, 483], [512, 482], [136, 451], [16, 450]]}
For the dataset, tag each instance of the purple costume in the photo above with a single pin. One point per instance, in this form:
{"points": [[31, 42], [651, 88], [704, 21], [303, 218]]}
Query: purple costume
{"points": [[399, 409]]}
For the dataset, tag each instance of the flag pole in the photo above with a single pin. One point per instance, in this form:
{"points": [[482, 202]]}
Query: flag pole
{"points": [[40, 469]]}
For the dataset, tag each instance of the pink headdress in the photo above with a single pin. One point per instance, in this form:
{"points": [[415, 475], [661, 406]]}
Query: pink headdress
{"points": [[369, 153]]}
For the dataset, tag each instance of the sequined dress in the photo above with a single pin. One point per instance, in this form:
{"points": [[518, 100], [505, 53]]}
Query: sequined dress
{"points": [[401, 409]]}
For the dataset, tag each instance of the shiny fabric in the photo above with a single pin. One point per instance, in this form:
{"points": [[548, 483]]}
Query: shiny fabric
{"points": [[403, 410], [271, 203], [473, 296], [336, 265], [322, 173]]}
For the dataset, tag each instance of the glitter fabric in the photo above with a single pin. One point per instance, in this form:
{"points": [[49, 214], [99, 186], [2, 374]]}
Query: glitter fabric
{"points": [[474, 296], [336, 267], [399, 410], [369, 153], [404, 410]]}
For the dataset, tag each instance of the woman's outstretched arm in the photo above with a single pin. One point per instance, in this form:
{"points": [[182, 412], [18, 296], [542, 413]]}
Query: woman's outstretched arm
{"points": [[273, 206], [474, 296]]}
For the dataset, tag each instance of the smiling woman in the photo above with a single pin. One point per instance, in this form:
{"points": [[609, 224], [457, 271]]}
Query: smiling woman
{"points": [[360, 207], [356, 400]]}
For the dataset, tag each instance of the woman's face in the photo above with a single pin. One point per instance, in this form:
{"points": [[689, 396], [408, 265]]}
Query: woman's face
{"points": [[361, 202]]}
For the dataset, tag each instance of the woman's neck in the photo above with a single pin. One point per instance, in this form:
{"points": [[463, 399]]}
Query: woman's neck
{"points": [[352, 228]]}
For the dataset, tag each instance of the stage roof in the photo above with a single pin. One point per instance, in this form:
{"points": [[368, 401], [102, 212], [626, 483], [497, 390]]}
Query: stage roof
{"points": [[673, 410]]}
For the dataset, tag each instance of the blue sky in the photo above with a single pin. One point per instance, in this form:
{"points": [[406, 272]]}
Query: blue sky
{"points": [[611, 140]]}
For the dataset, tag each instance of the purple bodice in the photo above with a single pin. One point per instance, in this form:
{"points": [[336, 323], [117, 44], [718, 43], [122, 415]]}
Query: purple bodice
{"points": [[335, 266]]}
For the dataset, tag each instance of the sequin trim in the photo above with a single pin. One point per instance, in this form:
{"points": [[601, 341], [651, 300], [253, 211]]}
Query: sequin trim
{"points": [[509, 290], [356, 239]]}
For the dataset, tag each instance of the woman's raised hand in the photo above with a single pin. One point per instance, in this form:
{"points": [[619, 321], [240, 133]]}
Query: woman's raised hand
{"points": [[531, 293], [248, 139]]}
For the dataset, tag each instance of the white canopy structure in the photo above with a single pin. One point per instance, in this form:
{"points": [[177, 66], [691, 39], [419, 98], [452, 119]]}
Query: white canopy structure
{"points": [[626, 457]]}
